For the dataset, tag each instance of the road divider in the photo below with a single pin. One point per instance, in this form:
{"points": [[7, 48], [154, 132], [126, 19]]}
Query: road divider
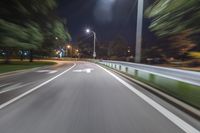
{"points": [[184, 91]]}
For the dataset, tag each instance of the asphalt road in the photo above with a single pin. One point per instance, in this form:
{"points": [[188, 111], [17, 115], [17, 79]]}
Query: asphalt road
{"points": [[182, 75], [81, 97]]}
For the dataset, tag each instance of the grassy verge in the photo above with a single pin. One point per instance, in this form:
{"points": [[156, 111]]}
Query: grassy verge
{"points": [[21, 65]]}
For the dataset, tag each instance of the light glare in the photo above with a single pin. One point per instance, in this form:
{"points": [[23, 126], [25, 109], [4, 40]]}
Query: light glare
{"points": [[87, 30]]}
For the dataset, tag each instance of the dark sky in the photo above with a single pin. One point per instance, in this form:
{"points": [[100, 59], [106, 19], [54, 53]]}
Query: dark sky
{"points": [[109, 18]]}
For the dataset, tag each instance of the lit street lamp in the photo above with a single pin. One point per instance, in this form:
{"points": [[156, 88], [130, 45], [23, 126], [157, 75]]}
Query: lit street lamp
{"points": [[68, 46], [139, 31], [94, 50]]}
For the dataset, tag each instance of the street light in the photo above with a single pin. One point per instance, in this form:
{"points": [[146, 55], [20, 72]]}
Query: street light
{"points": [[94, 50], [68, 46], [139, 31], [87, 30]]}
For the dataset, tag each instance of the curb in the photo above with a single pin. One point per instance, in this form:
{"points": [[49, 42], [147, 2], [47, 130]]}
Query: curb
{"points": [[195, 113]]}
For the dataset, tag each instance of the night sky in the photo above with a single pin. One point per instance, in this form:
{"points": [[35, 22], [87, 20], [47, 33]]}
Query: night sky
{"points": [[109, 18]]}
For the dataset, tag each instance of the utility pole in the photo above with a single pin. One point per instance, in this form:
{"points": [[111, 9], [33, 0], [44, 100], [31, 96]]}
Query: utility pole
{"points": [[138, 50], [94, 52], [95, 36]]}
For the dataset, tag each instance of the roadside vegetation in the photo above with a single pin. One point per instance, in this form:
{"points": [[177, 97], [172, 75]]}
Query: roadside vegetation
{"points": [[176, 24], [30, 29]]}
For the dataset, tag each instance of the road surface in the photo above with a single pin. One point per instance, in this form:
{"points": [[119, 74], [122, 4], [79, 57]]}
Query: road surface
{"points": [[82, 97], [181, 75]]}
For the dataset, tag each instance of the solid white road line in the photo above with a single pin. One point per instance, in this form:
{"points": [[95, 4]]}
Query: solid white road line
{"points": [[33, 89], [172, 117]]}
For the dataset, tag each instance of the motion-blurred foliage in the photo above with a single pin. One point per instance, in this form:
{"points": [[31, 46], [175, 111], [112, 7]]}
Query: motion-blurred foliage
{"points": [[174, 16], [195, 55], [30, 25], [176, 22]]}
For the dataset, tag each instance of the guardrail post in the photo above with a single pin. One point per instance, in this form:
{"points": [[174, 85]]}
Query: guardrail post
{"points": [[126, 69]]}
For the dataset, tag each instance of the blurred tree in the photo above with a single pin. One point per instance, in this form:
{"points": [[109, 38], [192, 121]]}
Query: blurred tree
{"points": [[171, 17], [118, 47], [195, 55], [30, 25], [14, 36], [176, 46], [178, 21], [180, 45], [59, 32], [85, 45], [56, 36], [102, 49]]}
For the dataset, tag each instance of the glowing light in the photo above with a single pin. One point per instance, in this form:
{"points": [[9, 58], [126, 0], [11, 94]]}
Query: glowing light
{"points": [[87, 30], [68, 46]]}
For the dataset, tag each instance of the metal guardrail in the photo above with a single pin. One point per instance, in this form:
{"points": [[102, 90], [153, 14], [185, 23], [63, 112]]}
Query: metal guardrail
{"points": [[184, 85]]}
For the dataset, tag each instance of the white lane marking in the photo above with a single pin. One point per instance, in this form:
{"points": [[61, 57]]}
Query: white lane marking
{"points": [[33, 89], [87, 70], [13, 87], [42, 71], [172, 117], [47, 71], [52, 72], [4, 85]]}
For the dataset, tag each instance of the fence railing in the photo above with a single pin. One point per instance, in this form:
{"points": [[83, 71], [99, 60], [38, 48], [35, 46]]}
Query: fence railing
{"points": [[184, 85]]}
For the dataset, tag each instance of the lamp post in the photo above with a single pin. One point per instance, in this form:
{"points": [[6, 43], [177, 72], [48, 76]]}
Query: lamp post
{"points": [[94, 34], [68, 50], [139, 31]]}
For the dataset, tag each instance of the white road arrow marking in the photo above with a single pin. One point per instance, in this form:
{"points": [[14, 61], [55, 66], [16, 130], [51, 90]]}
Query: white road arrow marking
{"points": [[47, 71], [87, 70], [51, 72]]}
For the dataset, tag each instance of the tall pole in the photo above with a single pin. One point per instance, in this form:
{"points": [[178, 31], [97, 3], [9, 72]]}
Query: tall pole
{"points": [[139, 31], [94, 50]]}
